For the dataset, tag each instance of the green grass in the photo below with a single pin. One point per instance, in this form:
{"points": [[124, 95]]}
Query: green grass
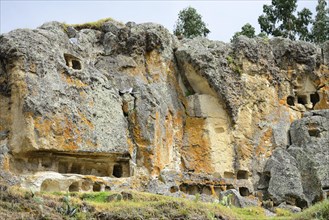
{"points": [[319, 211], [16, 202], [100, 197]]}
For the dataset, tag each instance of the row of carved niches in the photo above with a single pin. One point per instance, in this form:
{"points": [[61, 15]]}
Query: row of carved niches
{"points": [[106, 164]]}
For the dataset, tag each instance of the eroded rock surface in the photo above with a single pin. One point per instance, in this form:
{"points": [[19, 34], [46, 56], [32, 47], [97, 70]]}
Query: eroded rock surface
{"points": [[131, 106], [299, 175]]}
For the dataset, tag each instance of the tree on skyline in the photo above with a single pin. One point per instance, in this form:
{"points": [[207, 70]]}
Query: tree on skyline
{"points": [[246, 30], [320, 30], [278, 19], [190, 24]]}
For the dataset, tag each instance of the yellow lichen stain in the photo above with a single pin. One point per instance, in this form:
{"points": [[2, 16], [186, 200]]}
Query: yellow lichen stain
{"points": [[244, 149], [94, 178], [213, 192], [290, 71], [33, 68], [72, 81], [264, 146], [6, 162], [161, 153], [282, 102], [164, 141], [130, 144], [155, 66], [62, 133], [138, 72], [291, 118], [137, 132], [324, 69], [178, 128], [324, 101], [43, 126], [85, 120], [83, 94], [198, 151], [68, 140], [144, 154]]}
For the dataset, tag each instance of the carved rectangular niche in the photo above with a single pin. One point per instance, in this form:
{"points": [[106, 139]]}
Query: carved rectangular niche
{"points": [[105, 164]]}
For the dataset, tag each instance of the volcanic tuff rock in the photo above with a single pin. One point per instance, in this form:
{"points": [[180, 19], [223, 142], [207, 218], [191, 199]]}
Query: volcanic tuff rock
{"points": [[300, 173], [131, 106]]}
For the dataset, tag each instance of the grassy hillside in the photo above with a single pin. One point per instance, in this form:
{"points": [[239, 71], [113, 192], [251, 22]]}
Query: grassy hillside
{"points": [[19, 204]]}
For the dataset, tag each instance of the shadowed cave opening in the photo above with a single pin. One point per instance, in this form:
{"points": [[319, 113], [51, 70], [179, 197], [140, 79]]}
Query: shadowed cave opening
{"points": [[76, 65], [291, 100], [295, 201], [74, 187], [189, 189], [315, 98], [97, 187], [207, 190], [229, 175], [174, 189], [117, 170], [86, 185], [193, 189], [72, 62], [313, 130], [264, 180], [244, 191], [302, 99], [242, 174], [109, 164]]}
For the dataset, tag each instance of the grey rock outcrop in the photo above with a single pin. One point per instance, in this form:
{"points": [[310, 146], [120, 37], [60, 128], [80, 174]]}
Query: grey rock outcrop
{"points": [[299, 174], [236, 199], [135, 107]]}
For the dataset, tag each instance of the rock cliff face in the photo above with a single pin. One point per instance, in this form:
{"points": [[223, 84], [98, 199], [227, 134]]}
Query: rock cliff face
{"points": [[130, 106]]}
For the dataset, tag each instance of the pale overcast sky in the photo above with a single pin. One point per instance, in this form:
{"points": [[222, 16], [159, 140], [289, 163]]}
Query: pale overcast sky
{"points": [[224, 18]]}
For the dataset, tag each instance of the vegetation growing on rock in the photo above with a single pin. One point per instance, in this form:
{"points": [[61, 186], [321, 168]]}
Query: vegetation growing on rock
{"points": [[190, 24]]}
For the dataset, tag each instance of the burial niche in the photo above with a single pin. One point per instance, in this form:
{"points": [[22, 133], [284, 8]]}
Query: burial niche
{"points": [[315, 98], [229, 175], [242, 174], [49, 185], [72, 61], [97, 187], [302, 99], [244, 191], [117, 170], [74, 187], [291, 100]]}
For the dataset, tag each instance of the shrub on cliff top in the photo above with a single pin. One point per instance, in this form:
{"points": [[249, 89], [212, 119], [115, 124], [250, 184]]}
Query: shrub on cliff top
{"points": [[96, 25]]}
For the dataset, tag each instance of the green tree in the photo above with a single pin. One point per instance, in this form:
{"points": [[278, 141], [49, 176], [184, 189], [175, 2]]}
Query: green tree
{"points": [[320, 30], [304, 20], [278, 19], [190, 24], [246, 30]]}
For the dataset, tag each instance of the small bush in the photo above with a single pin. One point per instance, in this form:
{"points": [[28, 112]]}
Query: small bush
{"points": [[233, 65], [230, 60], [96, 25], [282, 212], [226, 200], [197, 197], [319, 211]]}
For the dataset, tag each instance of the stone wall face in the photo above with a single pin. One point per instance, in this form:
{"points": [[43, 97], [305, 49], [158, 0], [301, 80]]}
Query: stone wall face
{"points": [[139, 102]]}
